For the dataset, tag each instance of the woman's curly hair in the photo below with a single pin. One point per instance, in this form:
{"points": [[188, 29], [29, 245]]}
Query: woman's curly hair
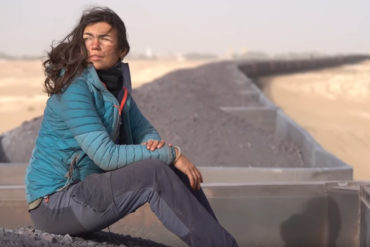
{"points": [[69, 57]]}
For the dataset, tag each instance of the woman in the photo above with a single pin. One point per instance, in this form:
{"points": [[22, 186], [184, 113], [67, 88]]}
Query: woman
{"points": [[96, 157]]}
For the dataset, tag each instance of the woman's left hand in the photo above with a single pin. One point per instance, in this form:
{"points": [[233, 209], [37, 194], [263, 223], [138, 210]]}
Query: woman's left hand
{"points": [[190, 170], [154, 144]]}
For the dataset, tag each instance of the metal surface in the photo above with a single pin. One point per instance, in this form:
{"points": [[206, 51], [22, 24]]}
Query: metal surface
{"points": [[285, 214]]}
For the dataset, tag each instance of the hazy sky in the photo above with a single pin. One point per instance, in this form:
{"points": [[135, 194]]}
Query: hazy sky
{"points": [[211, 26]]}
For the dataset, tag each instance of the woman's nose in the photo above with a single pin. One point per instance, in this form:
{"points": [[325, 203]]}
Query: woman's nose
{"points": [[95, 44]]}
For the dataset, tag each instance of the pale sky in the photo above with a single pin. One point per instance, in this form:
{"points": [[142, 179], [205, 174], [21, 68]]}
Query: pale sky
{"points": [[207, 26]]}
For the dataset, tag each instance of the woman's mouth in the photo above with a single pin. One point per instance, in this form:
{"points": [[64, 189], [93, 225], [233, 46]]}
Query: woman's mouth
{"points": [[95, 58]]}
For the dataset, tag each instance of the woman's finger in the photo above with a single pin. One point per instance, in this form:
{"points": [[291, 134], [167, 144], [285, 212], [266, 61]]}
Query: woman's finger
{"points": [[196, 180], [200, 175], [197, 185], [153, 145], [191, 178], [197, 175], [161, 144], [149, 144]]}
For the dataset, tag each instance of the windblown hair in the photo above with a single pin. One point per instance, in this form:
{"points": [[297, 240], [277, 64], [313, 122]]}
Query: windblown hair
{"points": [[69, 57]]}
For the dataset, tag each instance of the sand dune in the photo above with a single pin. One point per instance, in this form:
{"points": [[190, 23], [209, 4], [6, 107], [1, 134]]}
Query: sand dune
{"points": [[334, 106]]}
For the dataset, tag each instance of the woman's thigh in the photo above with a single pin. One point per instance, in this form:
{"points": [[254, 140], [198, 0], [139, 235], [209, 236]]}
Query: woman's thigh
{"points": [[99, 200]]}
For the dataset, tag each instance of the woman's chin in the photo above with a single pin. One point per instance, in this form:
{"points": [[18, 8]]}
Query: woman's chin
{"points": [[97, 65], [101, 66]]}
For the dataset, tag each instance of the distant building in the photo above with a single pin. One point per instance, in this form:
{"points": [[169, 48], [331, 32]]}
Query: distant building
{"points": [[199, 56]]}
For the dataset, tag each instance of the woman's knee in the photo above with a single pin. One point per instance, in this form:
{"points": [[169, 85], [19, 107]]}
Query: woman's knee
{"points": [[140, 174], [156, 167], [158, 164]]}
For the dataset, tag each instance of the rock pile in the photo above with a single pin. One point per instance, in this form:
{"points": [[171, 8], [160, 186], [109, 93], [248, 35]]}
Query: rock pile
{"points": [[186, 108], [29, 237]]}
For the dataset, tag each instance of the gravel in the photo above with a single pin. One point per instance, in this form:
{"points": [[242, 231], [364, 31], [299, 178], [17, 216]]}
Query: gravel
{"points": [[16, 145], [185, 108], [30, 237]]}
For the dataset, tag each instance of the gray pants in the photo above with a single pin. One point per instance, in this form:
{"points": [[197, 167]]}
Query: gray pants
{"points": [[102, 199]]}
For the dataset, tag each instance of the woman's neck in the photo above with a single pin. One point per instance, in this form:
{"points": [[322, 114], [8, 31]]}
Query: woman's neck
{"points": [[112, 78]]}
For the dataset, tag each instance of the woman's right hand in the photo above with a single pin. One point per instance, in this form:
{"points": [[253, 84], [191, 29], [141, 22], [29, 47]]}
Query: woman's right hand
{"points": [[190, 170]]}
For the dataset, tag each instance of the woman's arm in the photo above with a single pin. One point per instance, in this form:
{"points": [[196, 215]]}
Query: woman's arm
{"points": [[78, 111], [142, 130]]}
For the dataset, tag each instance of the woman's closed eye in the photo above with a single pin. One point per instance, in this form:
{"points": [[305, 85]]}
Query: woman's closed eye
{"points": [[106, 38], [87, 38]]}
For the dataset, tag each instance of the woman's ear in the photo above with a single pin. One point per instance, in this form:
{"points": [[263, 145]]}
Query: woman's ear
{"points": [[123, 54]]}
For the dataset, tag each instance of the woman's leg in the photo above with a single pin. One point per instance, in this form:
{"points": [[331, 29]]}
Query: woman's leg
{"points": [[102, 199], [199, 194]]}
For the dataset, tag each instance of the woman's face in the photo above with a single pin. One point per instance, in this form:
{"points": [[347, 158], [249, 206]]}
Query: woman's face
{"points": [[101, 44]]}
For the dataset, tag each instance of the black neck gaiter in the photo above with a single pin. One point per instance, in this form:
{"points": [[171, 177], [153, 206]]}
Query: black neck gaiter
{"points": [[112, 78]]}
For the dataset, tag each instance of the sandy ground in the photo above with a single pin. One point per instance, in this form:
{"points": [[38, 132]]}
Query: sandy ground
{"points": [[334, 106], [21, 90]]}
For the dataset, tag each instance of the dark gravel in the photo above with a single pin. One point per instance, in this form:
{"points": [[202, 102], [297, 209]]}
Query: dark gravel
{"points": [[29, 237], [16, 145], [185, 108]]}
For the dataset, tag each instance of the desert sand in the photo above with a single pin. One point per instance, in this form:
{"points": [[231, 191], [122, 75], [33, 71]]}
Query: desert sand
{"points": [[21, 85], [333, 105]]}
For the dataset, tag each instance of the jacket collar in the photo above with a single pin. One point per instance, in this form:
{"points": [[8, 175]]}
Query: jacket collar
{"points": [[93, 78]]}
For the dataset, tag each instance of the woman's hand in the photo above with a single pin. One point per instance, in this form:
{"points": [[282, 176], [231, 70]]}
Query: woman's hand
{"points": [[181, 163], [154, 144], [193, 174]]}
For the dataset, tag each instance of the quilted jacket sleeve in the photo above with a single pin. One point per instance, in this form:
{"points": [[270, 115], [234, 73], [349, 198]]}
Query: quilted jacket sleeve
{"points": [[79, 113], [142, 130]]}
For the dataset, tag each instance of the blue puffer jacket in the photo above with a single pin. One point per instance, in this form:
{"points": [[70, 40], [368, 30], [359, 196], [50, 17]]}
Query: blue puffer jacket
{"points": [[80, 124]]}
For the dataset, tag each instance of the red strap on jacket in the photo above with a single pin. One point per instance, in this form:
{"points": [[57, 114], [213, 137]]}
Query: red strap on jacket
{"points": [[124, 98], [123, 102]]}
